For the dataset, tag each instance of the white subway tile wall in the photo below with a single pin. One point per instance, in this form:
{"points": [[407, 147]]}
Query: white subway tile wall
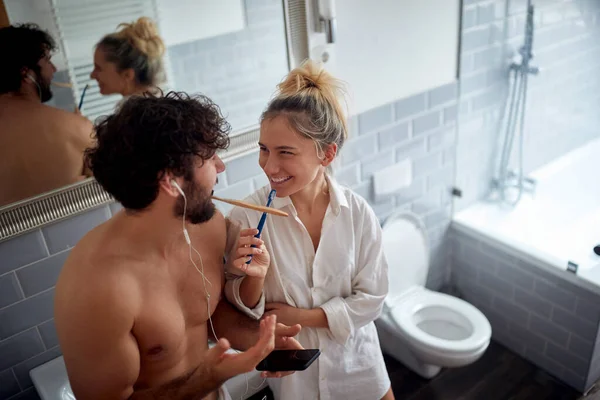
{"points": [[562, 101], [549, 321], [537, 314]]}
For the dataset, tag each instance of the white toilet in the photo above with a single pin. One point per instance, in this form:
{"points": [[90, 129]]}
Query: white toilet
{"points": [[423, 329]]}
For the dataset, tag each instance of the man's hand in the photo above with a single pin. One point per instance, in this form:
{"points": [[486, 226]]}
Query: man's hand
{"points": [[284, 336], [284, 340], [223, 366], [215, 369], [260, 257]]}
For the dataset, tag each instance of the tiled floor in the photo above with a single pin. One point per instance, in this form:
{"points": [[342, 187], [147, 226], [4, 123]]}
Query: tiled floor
{"points": [[498, 375]]}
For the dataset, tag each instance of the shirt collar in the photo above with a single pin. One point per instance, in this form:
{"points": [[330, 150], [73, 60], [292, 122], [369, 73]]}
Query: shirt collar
{"points": [[337, 199]]}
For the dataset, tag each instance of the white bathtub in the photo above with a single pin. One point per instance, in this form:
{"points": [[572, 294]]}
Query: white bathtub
{"points": [[557, 224]]}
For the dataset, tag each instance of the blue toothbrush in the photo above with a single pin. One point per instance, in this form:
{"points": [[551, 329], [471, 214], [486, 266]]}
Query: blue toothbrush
{"points": [[263, 218], [82, 96]]}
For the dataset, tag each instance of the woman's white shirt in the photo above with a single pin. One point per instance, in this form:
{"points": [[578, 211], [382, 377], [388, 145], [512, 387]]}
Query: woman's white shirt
{"points": [[347, 277]]}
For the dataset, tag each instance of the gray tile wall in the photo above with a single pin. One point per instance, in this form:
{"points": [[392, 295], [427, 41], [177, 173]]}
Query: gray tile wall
{"points": [[29, 269], [421, 128], [594, 373], [539, 315], [239, 70], [562, 100], [548, 320]]}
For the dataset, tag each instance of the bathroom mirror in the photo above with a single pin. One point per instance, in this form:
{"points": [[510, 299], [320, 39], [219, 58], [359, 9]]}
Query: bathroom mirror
{"points": [[233, 51]]}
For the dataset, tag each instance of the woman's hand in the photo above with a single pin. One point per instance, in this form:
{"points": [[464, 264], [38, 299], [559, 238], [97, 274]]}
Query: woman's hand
{"points": [[286, 314], [259, 265]]}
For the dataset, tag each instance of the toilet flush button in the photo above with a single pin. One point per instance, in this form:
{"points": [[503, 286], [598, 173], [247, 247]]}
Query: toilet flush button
{"points": [[389, 180]]}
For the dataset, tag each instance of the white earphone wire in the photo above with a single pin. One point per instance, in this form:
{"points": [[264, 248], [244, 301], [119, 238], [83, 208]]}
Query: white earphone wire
{"points": [[32, 79], [204, 278]]}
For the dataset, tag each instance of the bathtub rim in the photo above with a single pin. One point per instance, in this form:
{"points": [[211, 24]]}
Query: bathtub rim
{"points": [[575, 279]]}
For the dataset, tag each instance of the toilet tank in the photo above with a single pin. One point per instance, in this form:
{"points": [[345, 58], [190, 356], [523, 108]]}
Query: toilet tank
{"points": [[407, 253]]}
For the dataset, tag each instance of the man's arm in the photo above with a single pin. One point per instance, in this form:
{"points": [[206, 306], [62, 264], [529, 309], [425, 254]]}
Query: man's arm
{"points": [[94, 327], [196, 384], [103, 359], [242, 331], [216, 368], [239, 329], [102, 356]]}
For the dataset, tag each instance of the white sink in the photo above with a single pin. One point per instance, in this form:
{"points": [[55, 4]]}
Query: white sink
{"points": [[66, 393], [51, 382]]}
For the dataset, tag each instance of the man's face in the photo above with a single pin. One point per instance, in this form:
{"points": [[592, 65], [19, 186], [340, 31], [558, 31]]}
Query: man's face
{"points": [[198, 191]]}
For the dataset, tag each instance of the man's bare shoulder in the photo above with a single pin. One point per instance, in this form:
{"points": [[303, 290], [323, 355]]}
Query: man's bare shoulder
{"points": [[96, 259], [219, 222], [213, 231], [95, 277], [78, 121]]}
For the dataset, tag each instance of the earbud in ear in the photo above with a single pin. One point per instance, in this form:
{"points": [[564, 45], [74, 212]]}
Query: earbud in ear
{"points": [[32, 78], [176, 186]]}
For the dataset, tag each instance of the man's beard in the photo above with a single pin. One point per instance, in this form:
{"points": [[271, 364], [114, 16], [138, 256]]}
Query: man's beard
{"points": [[46, 93], [200, 208], [44, 90]]}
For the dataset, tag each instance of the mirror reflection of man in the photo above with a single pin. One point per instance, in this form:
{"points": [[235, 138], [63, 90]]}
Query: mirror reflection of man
{"points": [[41, 147]]}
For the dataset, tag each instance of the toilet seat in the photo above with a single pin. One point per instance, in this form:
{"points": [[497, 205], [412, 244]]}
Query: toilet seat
{"points": [[425, 317]]}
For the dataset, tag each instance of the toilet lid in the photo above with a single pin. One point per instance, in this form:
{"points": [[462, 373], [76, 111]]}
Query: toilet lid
{"points": [[441, 322], [406, 250]]}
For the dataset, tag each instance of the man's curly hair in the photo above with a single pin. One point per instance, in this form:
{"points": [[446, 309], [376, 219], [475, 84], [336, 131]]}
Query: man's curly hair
{"points": [[21, 46], [149, 136]]}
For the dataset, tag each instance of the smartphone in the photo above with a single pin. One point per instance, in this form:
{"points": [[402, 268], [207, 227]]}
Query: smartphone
{"points": [[288, 360]]}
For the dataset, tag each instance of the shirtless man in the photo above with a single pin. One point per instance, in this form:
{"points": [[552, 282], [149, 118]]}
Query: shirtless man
{"points": [[131, 307], [41, 147]]}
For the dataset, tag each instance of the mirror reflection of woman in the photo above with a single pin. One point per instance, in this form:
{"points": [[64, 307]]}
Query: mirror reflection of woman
{"points": [[129, 61]]}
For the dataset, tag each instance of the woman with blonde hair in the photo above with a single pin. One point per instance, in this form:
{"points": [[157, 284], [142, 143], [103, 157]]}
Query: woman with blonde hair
{"points": [[129, 61], [322, 267]]}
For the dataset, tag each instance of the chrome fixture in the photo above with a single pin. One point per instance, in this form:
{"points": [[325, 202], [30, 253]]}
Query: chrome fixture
{"points": [[514, 112], [326, 19]]}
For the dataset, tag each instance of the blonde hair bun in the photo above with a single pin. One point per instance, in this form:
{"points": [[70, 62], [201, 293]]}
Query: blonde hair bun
{"points": [[143, 35], [309, 76], [311, 99]]}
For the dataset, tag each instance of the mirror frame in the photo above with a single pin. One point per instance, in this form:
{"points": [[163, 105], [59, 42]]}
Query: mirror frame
{"points": [[50, 207]]}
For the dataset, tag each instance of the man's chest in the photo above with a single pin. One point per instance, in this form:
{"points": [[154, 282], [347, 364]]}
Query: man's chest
{"points": [[179, 300]]}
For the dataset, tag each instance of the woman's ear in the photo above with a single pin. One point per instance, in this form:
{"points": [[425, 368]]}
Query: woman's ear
{"points": [[129, 76], [330, 153]]}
